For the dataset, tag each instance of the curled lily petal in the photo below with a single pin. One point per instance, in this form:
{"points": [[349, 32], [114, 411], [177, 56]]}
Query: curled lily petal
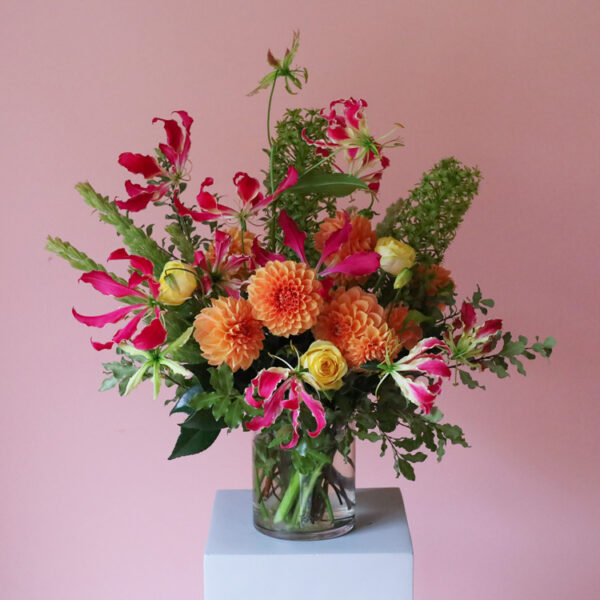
{"points": [[336, 239], [262, 256], [293, 237], [106, 285], [488, 329], [151, 336], [137, 262], [111, 317], [317, 410], [356, 265], [140, 164], [467, 315]]}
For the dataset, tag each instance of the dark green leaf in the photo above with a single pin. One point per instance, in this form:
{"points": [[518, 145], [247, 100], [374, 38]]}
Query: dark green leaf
{"points": [[329, 184], [198, 432]]}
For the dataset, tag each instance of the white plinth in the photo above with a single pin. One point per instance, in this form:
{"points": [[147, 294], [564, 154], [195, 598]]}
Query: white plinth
{"points": [[372, 562]]}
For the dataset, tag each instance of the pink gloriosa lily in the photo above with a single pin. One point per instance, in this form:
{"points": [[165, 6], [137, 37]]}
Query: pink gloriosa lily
{"points": [[153, 334], [278, 389], [224, 268], [355, 265], [176, 151], [420, 373], [466, 339], [348, 131], [250, 199]]}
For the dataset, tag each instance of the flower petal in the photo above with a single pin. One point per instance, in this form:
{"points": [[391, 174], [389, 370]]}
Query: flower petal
{"points": [[151, 336], [317, 410], [262, 256], [140, 164], [137, 262], [111, 317], [467, 315], [106, 285], [356, 265], [336, 239], [293, 237]]}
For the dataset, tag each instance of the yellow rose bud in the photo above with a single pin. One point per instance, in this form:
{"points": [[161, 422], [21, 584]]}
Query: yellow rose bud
{"points": [[402, 278], [325, 364], [177, 283], [395, 255]]}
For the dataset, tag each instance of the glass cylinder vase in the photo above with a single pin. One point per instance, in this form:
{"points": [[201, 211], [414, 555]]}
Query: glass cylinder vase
{"points": [[306, 492]]}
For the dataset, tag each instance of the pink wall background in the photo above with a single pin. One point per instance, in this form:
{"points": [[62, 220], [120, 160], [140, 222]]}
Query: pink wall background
{"points": [[90, 507]]}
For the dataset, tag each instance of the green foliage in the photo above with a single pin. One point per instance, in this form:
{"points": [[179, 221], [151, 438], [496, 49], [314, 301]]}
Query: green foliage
{"points": [[428, 219], [331, 185], [378, 421], [76, 258], [118, 373], [181, 240], [198, 432], [135, 238], [290, 149]]}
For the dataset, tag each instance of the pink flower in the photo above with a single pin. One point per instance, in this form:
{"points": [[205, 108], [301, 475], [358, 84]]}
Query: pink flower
{"points": [[278, 389], [250, 199], [420, 373], [348, 131], [153, 334], [224, 268], [355, 265], [466, 339], [176, 151]]}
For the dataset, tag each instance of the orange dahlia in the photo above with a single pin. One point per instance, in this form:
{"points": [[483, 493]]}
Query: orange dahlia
{"points": [[361, 239], [286, 297], [354, 321], [228, 333], [408, 332]]}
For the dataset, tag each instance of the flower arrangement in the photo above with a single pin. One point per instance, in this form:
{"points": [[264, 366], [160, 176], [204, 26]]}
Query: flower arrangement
{"points": [[282, 309]]}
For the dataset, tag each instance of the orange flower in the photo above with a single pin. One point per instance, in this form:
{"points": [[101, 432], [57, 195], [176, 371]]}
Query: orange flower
{"points": [[286, 297], [354, 321], [408, 332], [361, 239], [228, 333], [437, 278]]}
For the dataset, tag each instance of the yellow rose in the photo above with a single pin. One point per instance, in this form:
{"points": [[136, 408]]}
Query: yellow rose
{"points": [[395, 255], [177, 283], [325, 364]]}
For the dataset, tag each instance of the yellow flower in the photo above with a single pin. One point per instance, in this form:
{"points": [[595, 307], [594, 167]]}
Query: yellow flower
{"points": [[177, 283], [395, 255], [325, 364]]}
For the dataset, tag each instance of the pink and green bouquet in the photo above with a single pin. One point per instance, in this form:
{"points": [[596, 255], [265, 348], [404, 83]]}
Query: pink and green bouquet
{"points": [[295, 307]]}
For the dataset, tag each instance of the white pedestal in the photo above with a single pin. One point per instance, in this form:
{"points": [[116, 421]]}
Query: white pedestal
{"points": [[372, 562]]}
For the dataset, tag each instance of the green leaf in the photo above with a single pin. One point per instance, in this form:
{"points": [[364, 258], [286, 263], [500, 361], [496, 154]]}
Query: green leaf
{"points": [[198, 432], [404, 468], [520, 368], [185, 404], [335, 185], [435, 416], [137, 377], [179, 342], [176, 367], [549, 342], [108, 383], [221, 380], [416, 457], [467, 380]]}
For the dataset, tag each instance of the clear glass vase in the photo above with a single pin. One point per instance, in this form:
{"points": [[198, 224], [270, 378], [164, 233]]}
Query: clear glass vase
{"points": [[306, 492]]}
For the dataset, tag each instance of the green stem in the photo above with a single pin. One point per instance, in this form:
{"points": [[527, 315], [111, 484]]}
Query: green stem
{"points": [[269, 135], [288, 498], [305, 496], [323, 492]]}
